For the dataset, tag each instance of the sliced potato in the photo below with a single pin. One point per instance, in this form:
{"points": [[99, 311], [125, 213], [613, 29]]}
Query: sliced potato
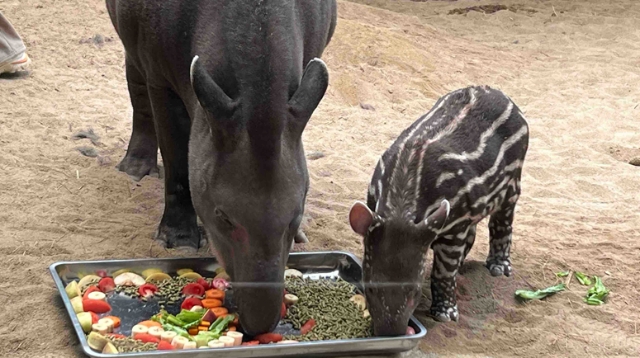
{"points": [[183, 271], [72, 289], [129, 279], [97, 341], [148, 272], [292, 272], [360, 301], [86, 281], [158, 277], [191, 275]]}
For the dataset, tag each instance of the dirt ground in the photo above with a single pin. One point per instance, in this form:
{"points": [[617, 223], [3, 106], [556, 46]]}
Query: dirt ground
{"points": [[573, 67]]}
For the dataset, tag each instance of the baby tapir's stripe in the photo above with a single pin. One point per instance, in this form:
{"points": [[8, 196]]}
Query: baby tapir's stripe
{"points": [[469, 150]]}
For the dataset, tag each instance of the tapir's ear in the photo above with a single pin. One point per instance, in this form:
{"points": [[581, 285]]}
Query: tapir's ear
{"points": [[313, 86], [360, 218], [435, 222], [209, 94]]}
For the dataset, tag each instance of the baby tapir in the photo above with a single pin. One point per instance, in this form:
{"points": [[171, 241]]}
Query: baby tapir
{"points": [[454, 166]]}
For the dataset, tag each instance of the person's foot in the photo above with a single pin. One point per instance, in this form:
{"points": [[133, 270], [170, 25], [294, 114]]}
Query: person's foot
{"points": [[19, 64]]}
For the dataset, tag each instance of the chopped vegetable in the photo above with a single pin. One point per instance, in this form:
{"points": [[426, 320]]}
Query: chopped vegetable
{"points": [[204, 283], [150, 323], [211, 303], [267, 338], [165, 346], [307, 327], [540, 294], [220, 283], [562, 274], [96, 306], [106, 284], [597, 293], [193, 331], [191, 302], [193, 289], [221, 324], [219, 311], [146, 338], [215, 294], [116, 321], [147, 290], [583, 279]]}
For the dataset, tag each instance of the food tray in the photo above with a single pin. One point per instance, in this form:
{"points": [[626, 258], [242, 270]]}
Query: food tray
{"points": [[311, 264]]}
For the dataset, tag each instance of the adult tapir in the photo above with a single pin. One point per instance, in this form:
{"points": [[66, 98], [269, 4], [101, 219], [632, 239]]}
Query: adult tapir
{"points": [[225, 88]]}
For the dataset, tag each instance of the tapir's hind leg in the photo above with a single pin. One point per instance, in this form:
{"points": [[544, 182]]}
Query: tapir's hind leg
{"points": [[142, 155], [500, 230], [178, 227]]}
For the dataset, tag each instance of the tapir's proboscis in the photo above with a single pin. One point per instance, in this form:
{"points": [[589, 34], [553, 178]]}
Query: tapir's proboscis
{"points": [[225, 90], [454, 166]]}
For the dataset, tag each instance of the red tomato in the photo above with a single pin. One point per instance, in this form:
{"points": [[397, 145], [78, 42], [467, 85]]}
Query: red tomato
{"points": [[307, 326], [193, 289], [96, 306], [204, 283], [106, 284], [165, 346], [283, 311], [101, 273], [94, 318], [148, 289], [189, 302], [251, 343], [267, 338]]}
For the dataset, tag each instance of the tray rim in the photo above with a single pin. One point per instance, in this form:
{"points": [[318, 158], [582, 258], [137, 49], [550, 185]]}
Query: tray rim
{"points": [[265, 348]]}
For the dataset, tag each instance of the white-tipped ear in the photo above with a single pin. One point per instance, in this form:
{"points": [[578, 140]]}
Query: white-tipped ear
{"points": [[193, 64], [436, 221], [360, 218]]}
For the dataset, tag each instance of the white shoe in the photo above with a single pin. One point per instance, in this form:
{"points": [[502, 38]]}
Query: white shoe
{"points": [[16, 65]]}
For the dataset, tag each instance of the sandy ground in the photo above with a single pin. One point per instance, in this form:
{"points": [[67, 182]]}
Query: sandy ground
{"points": [[573, 68]]}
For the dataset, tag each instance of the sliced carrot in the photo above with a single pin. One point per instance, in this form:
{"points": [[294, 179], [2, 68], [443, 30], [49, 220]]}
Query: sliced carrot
{"points": [[193, 331], [232, 328], [205, 323], [215, 294], [211, 303], [116, 321], [150, 324], [203, 328], [219, 311]]}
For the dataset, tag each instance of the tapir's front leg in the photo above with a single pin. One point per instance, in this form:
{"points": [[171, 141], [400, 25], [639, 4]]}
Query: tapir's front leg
{"points": [[448, 254]]}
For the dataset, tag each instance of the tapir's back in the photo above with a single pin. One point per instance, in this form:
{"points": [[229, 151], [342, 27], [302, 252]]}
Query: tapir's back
{"points": [[461, 150]]}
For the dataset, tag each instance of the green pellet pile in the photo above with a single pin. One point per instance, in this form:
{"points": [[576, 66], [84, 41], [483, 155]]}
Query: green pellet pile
{"points": [[326, 300], [130, 345], [169, 291]]}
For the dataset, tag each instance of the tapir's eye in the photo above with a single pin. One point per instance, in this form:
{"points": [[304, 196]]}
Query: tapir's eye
{"points": [[222, 216]]}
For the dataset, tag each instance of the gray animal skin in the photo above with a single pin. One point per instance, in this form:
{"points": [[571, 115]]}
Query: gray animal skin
{"points": [[454, 166], [225, 88]]}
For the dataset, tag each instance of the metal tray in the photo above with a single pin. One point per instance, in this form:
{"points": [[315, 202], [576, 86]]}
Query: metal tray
{"points": [[311, 264]]}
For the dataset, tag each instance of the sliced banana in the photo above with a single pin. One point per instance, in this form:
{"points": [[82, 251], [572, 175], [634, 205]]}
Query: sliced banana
{"points": [[227, 341], [138, 329], [156, 332], [129, 279], [190, 345], [237, 337], [215, 344], [179, 341], [100, 328], [290, 299], [96, 295], [196, 308], [287, 341], [168, 336], [366, 314], [108, 322], [360, 301]]}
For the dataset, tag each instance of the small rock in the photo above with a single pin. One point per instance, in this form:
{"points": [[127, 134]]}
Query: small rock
{"points": [[315, 155], [367, 107], [516, 42], [102, 161], [635, 161], [98, 39], [88, 134], [87, 151]]}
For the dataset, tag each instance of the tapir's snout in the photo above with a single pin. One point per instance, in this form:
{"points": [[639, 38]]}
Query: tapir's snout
{"points": [[259, 306], [390, 307]]}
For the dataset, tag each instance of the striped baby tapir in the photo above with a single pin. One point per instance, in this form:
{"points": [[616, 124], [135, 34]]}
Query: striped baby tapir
{"points": [[454, 166]]}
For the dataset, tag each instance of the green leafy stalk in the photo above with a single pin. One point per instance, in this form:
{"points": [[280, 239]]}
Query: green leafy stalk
{"points": [[180, 331], [540, 294], [191, 319], [562, 274], [597, 293], [583, 279], [221, 324]]}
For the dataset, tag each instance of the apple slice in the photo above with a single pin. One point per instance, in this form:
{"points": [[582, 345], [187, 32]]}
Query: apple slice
{"points": [[87, 280], [109, 348], [72, 289], [86, 321], [97, 341], [76, 302]]}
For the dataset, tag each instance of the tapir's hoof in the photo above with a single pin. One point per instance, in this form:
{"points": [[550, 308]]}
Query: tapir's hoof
{"points": [[444, 314], [178, 238], [499, 268], [300, 238], [137, 168]]}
